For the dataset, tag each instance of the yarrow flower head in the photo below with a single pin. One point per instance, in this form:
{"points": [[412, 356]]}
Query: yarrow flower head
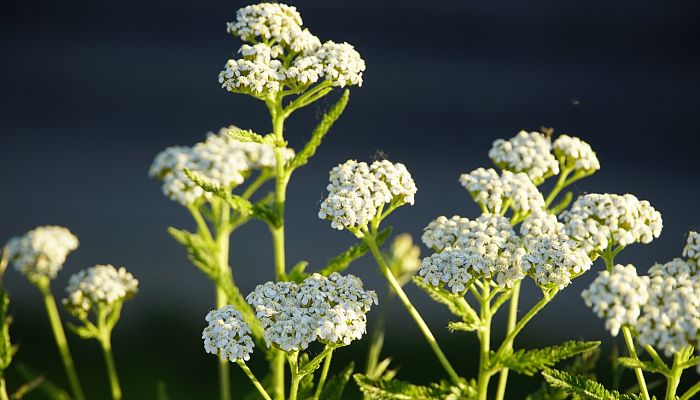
{"points": [[575, 153], [600, 220], [99, 286], [227, 335], [541, 224], [220, 160], [357, 191], [332, 310], [692, 249], [670, 319], [554, 263], [41, 252], [496, 192], [483, 248], [527, 152], [283, 54], [618, 296]]}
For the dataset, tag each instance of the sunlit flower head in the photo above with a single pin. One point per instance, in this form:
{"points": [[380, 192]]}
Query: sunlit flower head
{"points": [[357, 191], [495, 191], [41, 252], [692, 249], [528, 152], [575, 153], [541, 224], [618, 296], [101, 285], [600, 220], [331, 310], [227, 335], [554, 263]]}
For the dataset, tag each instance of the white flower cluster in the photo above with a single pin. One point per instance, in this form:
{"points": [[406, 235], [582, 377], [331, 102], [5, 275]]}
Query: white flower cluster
{"points": [[692, 249], [285, 54], [574, 152], [219, 159], [528, 152], [356, 191], [618, 296], [483, 248], [597, 220], [508, 189], [100, 285], [541, 224], [552, 262], [670, 319], [41, 252], [332, 310], [227, 335]]}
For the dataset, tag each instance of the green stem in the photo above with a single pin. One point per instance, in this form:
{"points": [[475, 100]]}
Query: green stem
{"points": [[3, 389], [224, 375], [561, 184], [372, 244], [484, 335], [695, 389], [377, 339], [637, 371], [512, 320], [253, 379], [324, 375], [61, 341], [293, 359], [224, 272], [674, 379], [111, 367], [277, 229]]}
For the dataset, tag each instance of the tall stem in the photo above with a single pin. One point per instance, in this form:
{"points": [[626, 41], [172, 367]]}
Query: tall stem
{"points": [[512, 320], [324, 375], [484, 334], [293, 359], [222, 249], [372, 244], [3, 388], [61, 341], [377, 338], [111, 368], [277, 230], [253, 379], [637, 371]]}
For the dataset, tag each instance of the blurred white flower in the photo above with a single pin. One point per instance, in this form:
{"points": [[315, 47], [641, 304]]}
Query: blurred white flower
{"points": [[227, 335], [528, 152], [101, 285], [332, 310], [618, 296], [357, 191], [600, 220], [692, 249], [41, 252], [575, 153]]}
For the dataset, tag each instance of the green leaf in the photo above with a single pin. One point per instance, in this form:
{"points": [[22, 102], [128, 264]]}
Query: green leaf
{"points": [[320, 131], [27, 388], [400, 390], [83, 331], [584, 387], [335, 386], [456, 326], [359, 249], [297, 274], [242, 206], [529, 362], [453, 303], [198, 251], [50, 390], [648, 366], [246, 135]]}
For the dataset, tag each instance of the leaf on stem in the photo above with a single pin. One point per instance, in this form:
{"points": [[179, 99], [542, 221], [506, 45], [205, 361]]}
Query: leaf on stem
{"points": [[320, 131], [335, 386], [6, 348], [584, 387], [400, 390], [198, 250], [297, 273], [242, 206], [246, 135], [456, 326], [343, 260], [50, 390], [649, 366], [452, 302], [529, 362]]}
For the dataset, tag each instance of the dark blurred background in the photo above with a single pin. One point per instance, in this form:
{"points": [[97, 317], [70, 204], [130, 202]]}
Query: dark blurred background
{"points": [[92, 91]]}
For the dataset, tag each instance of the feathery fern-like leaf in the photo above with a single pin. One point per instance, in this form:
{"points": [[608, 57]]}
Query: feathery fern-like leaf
{"points": [[584, 387], [529, 362]]}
